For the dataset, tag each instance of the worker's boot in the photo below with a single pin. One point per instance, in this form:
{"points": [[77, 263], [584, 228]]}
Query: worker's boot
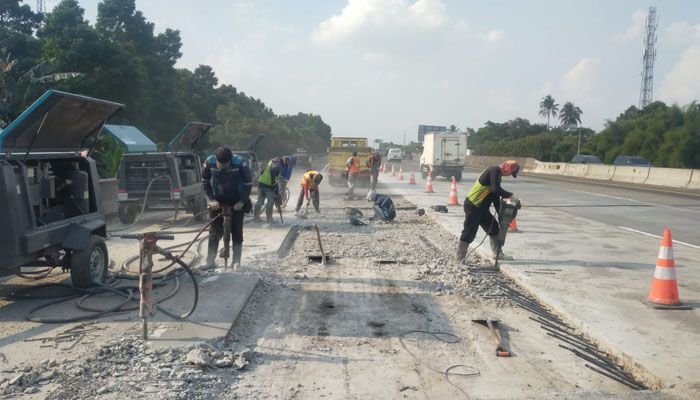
{"points": [[237, 252], [268, 216], [462, 248], [256, 214], [211, 254]]}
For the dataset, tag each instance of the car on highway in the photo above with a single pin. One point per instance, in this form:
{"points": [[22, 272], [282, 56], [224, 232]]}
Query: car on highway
{"points": [[634, 161], [394, 154], [586, 159], [303, 157]]}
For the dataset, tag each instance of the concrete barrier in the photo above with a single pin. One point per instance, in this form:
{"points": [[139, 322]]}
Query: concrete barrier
{"points": [[629, 174], [600, 172], [108, 192], [669, 177], [694, 180], [485, 161], [550, 168], [576, 170]]}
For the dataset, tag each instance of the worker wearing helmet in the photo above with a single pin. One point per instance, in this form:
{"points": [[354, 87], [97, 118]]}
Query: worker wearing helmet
{"points": [[383, 206], [353, 165], [227, 181], [486, 190], [309, 190]]}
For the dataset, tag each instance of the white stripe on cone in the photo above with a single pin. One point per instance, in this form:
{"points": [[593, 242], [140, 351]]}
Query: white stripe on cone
{"points": [[666, 253], [665, 273]]}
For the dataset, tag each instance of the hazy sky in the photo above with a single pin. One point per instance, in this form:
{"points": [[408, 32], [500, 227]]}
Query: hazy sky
{"points": [[378, 68]]}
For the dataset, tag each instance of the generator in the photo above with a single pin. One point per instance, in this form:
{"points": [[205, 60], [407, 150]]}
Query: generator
{"points": [[160, 180], [51, 210]]}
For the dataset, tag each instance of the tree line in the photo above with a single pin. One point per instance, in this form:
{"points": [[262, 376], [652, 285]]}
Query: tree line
{"points": [[121, 58], [668, 136]]}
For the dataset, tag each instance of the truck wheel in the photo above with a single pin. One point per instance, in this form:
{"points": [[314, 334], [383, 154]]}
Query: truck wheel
{"points": [[126, 213], [88, 267], [199, 209]]}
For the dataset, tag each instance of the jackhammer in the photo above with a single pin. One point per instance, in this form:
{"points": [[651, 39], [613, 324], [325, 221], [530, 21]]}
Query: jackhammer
{"points": [[507, 213], [225, 252]]}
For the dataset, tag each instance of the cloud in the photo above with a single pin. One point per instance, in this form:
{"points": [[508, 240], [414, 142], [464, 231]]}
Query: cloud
{"points": [[578, 80], [494, 35], [682, 31], [635, 30], [681, 84], [361, 16]]}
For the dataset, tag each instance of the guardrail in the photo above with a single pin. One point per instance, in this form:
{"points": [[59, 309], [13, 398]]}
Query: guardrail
{"points": [[653, 176]]}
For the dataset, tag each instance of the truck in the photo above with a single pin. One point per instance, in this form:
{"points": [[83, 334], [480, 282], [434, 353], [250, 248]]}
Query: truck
{"points": [[51, 210], [162, 180], [443, 155], [340, 151]]}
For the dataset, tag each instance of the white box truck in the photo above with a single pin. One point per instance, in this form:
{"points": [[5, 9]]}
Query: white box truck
{"points": [[443, 154]]}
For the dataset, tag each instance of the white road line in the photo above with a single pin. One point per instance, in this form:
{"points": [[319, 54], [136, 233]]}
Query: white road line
{"points": [[657, 236], [607, 195]]}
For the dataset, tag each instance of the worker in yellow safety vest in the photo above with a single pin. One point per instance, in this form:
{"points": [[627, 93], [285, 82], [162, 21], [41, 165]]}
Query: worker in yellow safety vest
{"points": [[309, 190], [268, 188], [486, 190]]}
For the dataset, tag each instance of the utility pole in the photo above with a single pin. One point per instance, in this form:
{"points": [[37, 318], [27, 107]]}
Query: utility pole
{"points": [[40, 6], [578, 150], [646, 92], [404, 137]]}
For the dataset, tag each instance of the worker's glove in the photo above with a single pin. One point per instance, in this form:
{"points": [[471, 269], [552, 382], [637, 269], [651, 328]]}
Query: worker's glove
{"points": [[513, 199], [212, 204], [238, 206]]}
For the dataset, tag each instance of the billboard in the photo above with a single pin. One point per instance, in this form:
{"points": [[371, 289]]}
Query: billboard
{"points": [[423, 129]]}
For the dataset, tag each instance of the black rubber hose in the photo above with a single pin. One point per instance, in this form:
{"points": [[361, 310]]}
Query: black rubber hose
{"points": [[114, 309]]}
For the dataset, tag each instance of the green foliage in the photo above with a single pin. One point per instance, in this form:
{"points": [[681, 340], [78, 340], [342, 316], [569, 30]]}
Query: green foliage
{"points": [[121, 58], [570, 115], [666, 136], [548, 108]]}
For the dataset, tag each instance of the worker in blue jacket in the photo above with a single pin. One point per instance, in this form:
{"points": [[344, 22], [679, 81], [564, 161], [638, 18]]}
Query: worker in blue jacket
{"points": [[383, 206], [227, 181]]}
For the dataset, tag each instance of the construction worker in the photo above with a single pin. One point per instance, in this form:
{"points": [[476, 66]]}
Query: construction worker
{"points": [[287, 175], [486, 190], [309, 190], [353, 165], [383, 206], [227, 181], [268, 188], [374, 162]]}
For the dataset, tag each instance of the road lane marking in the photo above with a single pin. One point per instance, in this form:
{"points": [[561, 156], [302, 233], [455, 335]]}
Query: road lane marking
{"points": [[607, 195], [657, 236]]}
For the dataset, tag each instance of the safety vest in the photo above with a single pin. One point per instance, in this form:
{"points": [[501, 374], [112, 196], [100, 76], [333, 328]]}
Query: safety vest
{"points": [[266, 176], [478, 192], [354, 166], [308, 180]]}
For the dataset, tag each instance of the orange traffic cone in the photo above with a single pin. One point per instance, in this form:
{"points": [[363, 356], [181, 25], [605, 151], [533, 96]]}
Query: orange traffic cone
{"points": [[383, 167], [412, 179], [452, 200], [400, 172], [393, 173], [513, 227], [664, 287], [429, 184]]}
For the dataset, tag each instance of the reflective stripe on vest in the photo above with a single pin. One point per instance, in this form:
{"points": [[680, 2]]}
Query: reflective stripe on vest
{"points": [[478, 192], [266, 176]]}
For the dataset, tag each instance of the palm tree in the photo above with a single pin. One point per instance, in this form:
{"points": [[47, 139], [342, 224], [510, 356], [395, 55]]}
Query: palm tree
{"points": [[570, 115], [548, 108]]}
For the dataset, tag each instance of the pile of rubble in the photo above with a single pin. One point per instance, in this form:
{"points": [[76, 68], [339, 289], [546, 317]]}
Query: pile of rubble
{"points": [[128, 368]]}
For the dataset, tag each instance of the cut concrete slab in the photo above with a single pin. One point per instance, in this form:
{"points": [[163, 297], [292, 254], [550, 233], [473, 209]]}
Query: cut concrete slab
{"points": [[595, 274]]}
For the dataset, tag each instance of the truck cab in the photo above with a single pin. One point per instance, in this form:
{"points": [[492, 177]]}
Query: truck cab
{"points": [[340, 151], [161, 180], [49, 188]]}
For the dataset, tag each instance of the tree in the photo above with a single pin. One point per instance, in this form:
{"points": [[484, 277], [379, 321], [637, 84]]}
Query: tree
{"points": [[548, 108], [453, 128], [570, 115]]}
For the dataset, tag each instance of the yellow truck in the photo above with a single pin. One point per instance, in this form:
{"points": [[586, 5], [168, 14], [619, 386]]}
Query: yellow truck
{"points": [[340, 150]]}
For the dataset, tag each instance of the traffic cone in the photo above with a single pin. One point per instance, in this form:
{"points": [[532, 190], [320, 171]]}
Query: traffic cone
{"points": [[452, 200], [393, 173], [664, 287], [429, 184], [400, 172], [513, 227], [383, 167], [412, 179]]}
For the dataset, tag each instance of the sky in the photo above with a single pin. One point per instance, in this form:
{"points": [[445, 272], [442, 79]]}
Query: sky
{"points": [[379, 68]]}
